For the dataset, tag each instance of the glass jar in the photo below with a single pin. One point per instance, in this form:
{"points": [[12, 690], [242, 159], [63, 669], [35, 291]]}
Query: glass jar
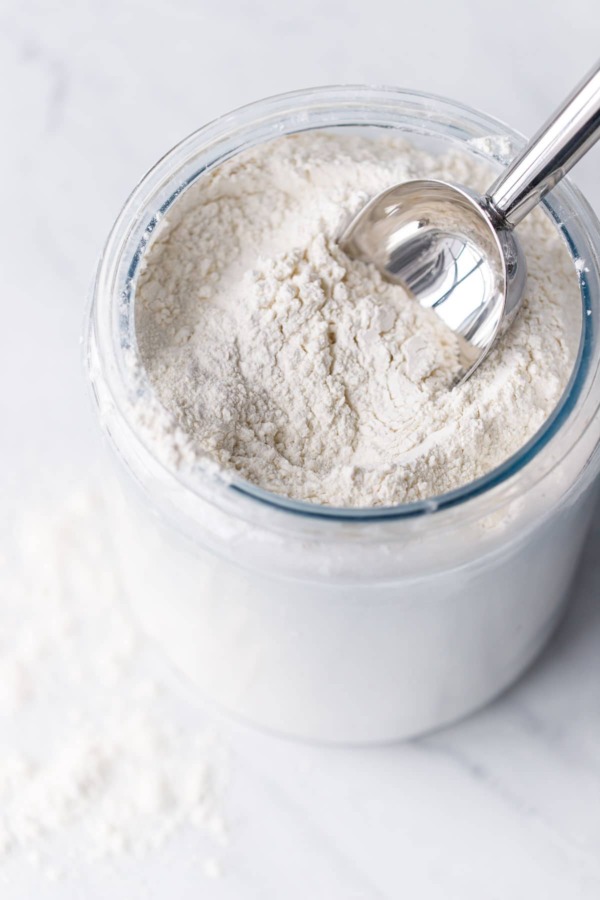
{"points": [[345, 625]]}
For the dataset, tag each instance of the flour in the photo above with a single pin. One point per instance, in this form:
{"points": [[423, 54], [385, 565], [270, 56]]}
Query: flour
{"points": [[281, 360], [97, 759]]}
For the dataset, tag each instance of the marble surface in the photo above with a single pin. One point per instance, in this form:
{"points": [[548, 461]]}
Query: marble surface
{"points": [[505, 804]]}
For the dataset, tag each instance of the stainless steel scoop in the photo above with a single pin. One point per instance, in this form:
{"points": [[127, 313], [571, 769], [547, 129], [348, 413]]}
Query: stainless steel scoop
{"points": [[457, 251]]}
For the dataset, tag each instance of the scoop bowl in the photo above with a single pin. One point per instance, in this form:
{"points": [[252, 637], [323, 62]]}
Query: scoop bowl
{"points": [[439, 242]]}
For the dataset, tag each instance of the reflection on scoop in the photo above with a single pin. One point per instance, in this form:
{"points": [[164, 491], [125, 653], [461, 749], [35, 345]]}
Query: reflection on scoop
{"points": [[441, 244]]}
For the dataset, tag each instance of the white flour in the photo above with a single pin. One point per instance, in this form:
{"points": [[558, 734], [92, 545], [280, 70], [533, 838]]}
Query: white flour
{"points": [[96, 756], [282, 360]]}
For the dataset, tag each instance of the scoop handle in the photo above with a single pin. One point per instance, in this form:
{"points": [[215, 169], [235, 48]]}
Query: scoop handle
{"points": [[550, 154]]}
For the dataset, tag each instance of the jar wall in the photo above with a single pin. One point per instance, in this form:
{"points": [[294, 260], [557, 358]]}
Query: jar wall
{"points": [[333, 661]]}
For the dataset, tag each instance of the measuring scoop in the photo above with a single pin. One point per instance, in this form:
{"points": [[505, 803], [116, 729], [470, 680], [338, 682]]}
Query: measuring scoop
{"points": [[455, 250]]}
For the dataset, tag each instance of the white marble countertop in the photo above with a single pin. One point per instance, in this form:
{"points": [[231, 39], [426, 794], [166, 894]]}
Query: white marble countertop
{"points": [[504, 805]]}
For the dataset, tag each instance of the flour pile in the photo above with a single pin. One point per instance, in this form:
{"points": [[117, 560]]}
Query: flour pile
{"points": [[97, 756], [304, 372]]}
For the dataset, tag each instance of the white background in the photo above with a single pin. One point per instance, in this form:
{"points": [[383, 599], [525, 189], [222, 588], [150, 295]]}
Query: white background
{"points": [[505, 805]]}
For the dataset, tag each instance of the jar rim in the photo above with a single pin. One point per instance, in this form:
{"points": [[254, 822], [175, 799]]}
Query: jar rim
{"points": [[581, 241]]}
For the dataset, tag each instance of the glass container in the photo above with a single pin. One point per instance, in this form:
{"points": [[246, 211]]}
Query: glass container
{"points": [[345, 625]]}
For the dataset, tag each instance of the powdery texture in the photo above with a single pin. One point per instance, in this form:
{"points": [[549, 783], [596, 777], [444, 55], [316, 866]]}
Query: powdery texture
{"points": [[304, 372], [96, 759]]}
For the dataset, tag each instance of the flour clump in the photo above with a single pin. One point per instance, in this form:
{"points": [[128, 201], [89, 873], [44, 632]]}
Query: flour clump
{"points": [[303, 371]]}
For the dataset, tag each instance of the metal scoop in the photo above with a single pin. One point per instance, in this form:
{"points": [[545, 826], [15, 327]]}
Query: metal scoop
{"points": [[455, 250]]}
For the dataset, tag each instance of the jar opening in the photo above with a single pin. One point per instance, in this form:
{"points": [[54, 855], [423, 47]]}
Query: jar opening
{"points": [[502, 473]]}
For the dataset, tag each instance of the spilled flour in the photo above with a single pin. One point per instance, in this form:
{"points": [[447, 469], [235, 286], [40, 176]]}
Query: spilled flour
{"points": [[98, 758], [280, 359]]}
